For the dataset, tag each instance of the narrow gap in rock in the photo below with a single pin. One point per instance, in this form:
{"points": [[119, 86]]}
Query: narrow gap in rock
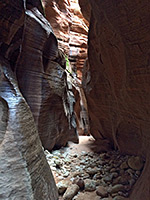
{"points": [[91, 169]]}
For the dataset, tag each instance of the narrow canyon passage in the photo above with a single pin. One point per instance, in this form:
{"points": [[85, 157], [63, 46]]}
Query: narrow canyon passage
{"points": [[74, 73], [90, 171]]}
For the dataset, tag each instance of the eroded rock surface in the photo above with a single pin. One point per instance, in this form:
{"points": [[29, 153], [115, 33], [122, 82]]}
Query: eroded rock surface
{"points": [[31, 75], [118, 89], [25, 173], [70, 28], [46, 91]]}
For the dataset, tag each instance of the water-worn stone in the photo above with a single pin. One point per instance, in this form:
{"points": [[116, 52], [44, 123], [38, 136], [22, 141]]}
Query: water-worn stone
{"points": [[117, 188], [104, 178], [92, 171], [135, 163], [101, 191], [108, 178], [62, 186], [119, 198], [90, 185], [124, 165], [79, 182], [71, 192]]}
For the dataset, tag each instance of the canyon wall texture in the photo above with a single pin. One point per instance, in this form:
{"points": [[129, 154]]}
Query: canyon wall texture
{"points": [[31, 48], [70, 28], [34, 100], [118, 85], [24, 171]]}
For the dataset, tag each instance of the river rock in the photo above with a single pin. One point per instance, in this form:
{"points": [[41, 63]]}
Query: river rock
{"points": [[101, 191], [62, 186], [135, 163], [71, 192], [90, 185], [92, 171], [124, 165], [117, 188], [79, 182]]}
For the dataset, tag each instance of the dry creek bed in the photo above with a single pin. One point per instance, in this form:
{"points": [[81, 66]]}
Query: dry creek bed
{"points": [[87, 175]]}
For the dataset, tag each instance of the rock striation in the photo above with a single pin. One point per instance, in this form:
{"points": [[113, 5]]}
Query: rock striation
{"points": [[34, 100], [25, 173], [118, 85], [71, 29], [46, 92]]}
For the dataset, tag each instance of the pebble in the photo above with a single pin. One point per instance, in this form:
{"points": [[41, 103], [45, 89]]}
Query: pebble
{"points": [[62, 186], [108, 178], [90, 185], [92, 171], [79, 182], [101, 191], [107, 173], [71, 192], [117, 188], [135, 163], [124, 165], [113, 170]]}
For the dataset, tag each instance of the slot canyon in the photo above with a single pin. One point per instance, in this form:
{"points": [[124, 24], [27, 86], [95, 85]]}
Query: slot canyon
{"points": [[74, 100]]}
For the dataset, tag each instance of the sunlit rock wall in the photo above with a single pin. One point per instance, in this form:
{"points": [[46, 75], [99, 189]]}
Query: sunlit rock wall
{"points": [[118, 88], [70, 28]]}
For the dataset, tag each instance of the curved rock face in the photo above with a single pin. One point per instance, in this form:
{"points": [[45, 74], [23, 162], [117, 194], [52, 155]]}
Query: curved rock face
{"points": [[70, 28], [30, 62], [25, 173], [118, 89], [38, 63], [30, 46]]}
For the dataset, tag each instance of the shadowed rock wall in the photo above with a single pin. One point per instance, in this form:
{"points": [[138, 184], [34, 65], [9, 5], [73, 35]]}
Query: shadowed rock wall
{"points": [[42, 81], [118, 89], [31, 76]]}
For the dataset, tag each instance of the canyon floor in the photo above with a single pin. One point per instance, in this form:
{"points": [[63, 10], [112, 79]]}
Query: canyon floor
{"points": [[81, 173]]}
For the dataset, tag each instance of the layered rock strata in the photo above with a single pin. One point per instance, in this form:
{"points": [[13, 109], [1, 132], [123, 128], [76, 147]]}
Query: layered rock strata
{"points": [[70, 28], [118, 89]]}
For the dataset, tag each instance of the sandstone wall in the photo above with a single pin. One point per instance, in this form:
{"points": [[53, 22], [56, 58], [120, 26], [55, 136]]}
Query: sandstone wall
{"points": [[24, 171], [118, 82], [70, 28]]}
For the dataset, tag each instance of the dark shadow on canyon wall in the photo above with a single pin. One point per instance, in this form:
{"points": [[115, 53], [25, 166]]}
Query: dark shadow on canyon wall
{"points": [[118, 89]]}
